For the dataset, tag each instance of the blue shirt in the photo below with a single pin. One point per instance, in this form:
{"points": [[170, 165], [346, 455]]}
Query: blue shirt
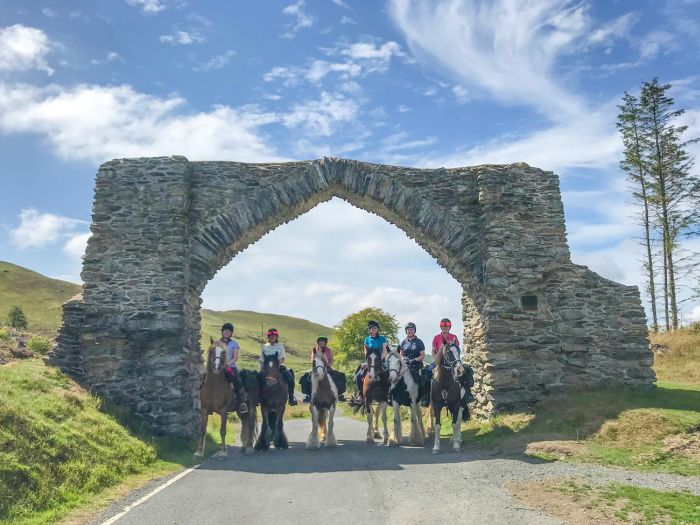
{"points": [[375, 344]]}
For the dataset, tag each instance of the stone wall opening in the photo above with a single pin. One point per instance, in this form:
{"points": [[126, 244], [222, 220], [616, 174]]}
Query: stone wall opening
{"points": [[162, 227], [328, 263]]}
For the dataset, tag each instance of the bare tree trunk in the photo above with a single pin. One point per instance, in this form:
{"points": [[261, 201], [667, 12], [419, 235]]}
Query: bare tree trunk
{"points": [[650, 261]]}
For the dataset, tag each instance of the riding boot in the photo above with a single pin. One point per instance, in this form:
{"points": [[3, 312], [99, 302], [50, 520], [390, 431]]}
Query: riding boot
{"points": [[289, 375], [241, 393], [465, 408]]}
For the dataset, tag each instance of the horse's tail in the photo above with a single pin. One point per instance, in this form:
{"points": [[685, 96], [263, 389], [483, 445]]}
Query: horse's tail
{"points": [[355, 405]]}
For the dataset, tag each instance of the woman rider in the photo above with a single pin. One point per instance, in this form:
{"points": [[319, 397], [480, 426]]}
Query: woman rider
{"points": [[269, 349], [327, 355], [412, 348], [231, 370], [374, 344]]}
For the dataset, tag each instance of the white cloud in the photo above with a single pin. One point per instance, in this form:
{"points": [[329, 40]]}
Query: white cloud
{"points": [[131, 124], [182, 37], [217, 62], [508, 49], [303, 19], [461, 94], [148, 6], [615, 29], [40, 229], [347, 20], [654, 42], [23, 48], [342, 3], [48, 12], [75, 246], [321, 116]]}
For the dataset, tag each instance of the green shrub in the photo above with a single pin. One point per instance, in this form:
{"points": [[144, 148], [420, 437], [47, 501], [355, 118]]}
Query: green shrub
{"points": [[39, 345], [16, 318], [4, 333]]}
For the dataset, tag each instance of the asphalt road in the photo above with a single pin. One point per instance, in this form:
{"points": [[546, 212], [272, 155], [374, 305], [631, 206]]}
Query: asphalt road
{"points": [[356, 483]]}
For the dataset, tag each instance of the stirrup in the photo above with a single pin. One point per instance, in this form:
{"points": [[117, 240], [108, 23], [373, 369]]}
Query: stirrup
{"points": [[292, 401], [243, 408]]}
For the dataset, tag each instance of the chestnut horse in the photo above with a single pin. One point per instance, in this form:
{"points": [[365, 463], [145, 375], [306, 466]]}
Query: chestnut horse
{"points": [[446, 392], [404, 391], [324, 396], [375, 389], [216, 395], [273, 403]]}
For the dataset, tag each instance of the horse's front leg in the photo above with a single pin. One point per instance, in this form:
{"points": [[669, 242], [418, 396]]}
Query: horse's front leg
{"points": [[281, 442], [203, 418], [383, 407], [376, 421], [370, 430], [222, 432], [395, 436], [417, 435], [457, 430], [435, 413], [313, 442], [262, 443], [330, 436]]}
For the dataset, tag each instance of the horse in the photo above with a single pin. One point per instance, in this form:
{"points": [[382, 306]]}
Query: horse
{"points": [[375, 389], [324, 396], [273, 402], [249, 420], [446, 392], [404, 391], [216, 395]]}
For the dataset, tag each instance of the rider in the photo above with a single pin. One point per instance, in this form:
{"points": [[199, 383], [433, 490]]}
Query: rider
{"points": [[231, 370], [412, 348], [269, 349], [374, 344], [445, 337], [326, 353]]}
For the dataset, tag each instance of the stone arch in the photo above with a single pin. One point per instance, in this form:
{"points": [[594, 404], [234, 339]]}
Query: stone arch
{"points": [[163, 227]]}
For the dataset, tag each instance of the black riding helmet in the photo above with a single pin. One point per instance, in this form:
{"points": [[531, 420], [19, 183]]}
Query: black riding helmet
{"points": [[227, 326], [410, 325], [370, 324]]}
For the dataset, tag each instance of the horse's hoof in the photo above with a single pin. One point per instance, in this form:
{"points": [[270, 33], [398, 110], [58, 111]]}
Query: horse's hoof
{"points": [[198, 454], [457, 448], [377, 435], [393, 443], [369, 441], [436, 451], [331, 444]]}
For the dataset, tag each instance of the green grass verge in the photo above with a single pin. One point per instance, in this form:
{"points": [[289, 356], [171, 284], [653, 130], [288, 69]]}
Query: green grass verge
{"points": [[642, 506], [640, 429], [60, 447]]}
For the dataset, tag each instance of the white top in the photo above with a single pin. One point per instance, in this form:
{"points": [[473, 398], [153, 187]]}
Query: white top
{"points": [[270, 349]]}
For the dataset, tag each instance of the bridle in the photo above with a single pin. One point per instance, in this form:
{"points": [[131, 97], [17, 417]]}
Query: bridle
{"points": [[216, 368], [323, 366], [402, 365], [449, 361], [372, 359]]}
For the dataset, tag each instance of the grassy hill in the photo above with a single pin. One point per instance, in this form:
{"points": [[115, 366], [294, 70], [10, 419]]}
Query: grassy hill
{"points": [[297, 335], [39, 297]]}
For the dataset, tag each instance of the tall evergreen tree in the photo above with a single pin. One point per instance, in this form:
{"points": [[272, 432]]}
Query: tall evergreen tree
{"points": [[629, 125], [671, 183]]}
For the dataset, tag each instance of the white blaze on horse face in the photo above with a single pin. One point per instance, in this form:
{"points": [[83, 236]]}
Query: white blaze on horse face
{"points": [[319, 367], [217, 365], [373, 366]]}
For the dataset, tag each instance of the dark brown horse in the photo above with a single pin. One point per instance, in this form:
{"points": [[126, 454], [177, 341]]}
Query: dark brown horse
{"points": [[273, 402], [249, 420], [446, 392], [324, 396], [375, 397], [216, 395]]}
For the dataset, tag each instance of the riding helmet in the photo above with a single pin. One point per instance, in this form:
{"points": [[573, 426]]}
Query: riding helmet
{"points": [[227, 326], [445, 322], [371, 324], [272, 331], [321, 338], [410, 325]]}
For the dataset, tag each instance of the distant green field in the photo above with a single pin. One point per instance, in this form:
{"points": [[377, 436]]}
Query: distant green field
{"points": [[38, 296], [297, 335], [41, 298]]}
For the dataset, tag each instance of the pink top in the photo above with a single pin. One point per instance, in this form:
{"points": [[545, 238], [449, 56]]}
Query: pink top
{"points": [[437, 340], [327, 353]]}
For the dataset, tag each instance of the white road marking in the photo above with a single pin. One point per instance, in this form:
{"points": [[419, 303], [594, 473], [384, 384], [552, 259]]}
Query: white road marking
{"points": [[155, 491]]}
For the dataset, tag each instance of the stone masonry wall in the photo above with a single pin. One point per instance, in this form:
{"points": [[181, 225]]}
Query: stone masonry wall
{"points": [[163, 227]]}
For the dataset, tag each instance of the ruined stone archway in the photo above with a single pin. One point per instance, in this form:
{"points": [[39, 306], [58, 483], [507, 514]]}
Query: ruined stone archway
{"points": [[162, 227]]}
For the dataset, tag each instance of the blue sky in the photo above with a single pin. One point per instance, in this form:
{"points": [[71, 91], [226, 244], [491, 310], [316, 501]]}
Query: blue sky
{"points": [[424, 84]]}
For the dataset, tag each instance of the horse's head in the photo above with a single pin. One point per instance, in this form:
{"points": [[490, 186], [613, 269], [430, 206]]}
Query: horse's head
{"points": [[320, 366], [396, 366], [216, 360], [374, 364], [450, 359]]}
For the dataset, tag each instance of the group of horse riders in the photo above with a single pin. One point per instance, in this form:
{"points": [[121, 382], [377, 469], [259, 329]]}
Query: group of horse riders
{"points": [[411, 349]]}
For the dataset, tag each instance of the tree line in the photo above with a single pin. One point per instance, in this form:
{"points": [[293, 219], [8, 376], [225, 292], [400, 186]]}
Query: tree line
{"points": [[667, 192]]}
